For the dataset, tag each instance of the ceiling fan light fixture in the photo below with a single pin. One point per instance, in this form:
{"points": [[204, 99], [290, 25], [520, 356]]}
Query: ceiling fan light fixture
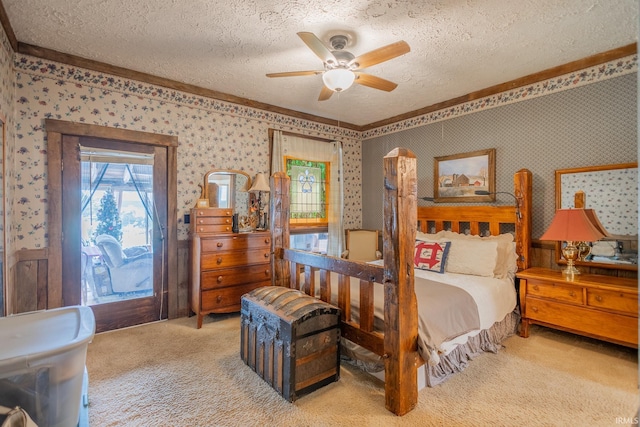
{"points": [[338, 79]]}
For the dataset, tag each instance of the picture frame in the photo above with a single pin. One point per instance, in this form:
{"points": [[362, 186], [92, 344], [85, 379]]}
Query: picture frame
{"points": [[202, 203], [457, 177]]}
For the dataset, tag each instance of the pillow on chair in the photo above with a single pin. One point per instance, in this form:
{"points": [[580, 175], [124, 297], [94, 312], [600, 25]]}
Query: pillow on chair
{"points": [[362, 245]]}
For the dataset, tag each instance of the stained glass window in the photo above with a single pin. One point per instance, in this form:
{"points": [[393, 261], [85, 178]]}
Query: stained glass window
{"points": [[309, 190]]}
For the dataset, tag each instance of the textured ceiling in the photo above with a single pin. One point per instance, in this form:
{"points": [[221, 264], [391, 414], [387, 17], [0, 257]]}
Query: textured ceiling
{"points": [[457, 46]]}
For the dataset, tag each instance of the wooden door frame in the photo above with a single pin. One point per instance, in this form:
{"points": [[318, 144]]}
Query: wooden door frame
{"points": [[55, 130], [7, 292]]}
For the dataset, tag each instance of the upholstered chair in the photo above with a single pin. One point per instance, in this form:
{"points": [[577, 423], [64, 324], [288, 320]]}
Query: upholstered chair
{"points": [[130, 269]]}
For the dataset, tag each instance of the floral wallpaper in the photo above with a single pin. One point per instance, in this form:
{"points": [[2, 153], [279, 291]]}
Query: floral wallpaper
{"points": [[6, 111], [211, 134]]}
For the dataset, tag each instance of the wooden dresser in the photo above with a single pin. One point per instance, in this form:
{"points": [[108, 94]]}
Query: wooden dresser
{"points": [[596, 306], [224, 265]]}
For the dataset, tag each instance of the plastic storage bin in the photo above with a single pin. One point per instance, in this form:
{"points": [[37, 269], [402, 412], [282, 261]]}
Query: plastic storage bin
{"points": [[42, 362]]}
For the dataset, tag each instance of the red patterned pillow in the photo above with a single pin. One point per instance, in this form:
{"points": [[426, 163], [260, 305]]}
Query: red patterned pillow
{"points": [[431, 256]]}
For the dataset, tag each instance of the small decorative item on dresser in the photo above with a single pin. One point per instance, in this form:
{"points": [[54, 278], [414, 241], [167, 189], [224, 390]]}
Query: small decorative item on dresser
{"points": [[290, 339]]}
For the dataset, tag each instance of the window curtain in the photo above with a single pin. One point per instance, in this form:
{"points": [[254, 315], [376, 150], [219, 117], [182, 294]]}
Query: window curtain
{"points": [[310, 149]]}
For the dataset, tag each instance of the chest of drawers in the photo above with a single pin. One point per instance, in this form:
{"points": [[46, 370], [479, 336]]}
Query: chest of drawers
{"points": [[602, 307], [225, 266]]}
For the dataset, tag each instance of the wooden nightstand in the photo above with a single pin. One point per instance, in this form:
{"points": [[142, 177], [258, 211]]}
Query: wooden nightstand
{"points": [[596, 306]]}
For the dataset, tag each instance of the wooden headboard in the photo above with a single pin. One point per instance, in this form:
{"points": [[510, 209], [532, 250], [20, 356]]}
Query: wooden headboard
{"points": [[478, 218]]}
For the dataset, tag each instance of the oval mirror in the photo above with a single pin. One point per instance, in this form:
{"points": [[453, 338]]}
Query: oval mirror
{"points": [[222, 187]]}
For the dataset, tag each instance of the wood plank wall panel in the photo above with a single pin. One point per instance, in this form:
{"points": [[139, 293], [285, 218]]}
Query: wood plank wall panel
{"points": [[30, 278], [43, 290], [183, 278], [27, 286]]}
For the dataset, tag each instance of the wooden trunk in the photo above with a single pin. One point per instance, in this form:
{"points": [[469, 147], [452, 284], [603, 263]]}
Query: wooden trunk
{"points": [[290, 339]]}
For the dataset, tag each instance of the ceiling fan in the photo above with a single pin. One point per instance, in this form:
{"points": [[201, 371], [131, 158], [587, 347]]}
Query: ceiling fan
{"points": [[341, 68]]}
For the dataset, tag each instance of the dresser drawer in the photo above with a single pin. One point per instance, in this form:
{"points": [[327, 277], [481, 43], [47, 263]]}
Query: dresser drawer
{"points": [[213, 212], [235, 276], [227, 300], [213, 220], [613, 300], [236, 242], [220, 228], [616, 327], [555, 291], [234, 259]]}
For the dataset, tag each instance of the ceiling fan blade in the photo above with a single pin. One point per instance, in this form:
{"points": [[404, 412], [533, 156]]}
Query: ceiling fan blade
{"points": [[325, 94], [316, 45], [381, 54], [374, 82], [294, 73]]}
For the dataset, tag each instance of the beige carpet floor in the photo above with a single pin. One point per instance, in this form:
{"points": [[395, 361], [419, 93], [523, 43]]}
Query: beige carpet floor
{"points": [[171, 374]]}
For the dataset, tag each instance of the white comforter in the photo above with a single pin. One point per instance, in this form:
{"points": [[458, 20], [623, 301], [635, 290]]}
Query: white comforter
{"points": [[495, 298]]}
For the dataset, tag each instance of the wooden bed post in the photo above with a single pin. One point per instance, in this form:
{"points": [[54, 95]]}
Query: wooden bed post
{"points": [[400, 306], [279, 214], [522, 183]]}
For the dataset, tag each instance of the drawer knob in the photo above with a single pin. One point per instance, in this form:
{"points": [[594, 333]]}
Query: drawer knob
{"points": [[266, 254], [536, 288], [219, 244], [266, 272], [219, 299], [572, 294], [201, 221], [598, 298], [226, 228], [219, 279], [219, 260], [534, 309], [227, 221], [266, 240]]}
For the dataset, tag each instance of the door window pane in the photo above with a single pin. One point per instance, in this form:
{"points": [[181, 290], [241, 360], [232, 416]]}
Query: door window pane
{"points": [[117, 226]]}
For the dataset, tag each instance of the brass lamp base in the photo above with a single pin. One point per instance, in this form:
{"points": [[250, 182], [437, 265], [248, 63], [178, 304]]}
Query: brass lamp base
{"points": [[571, 253]]}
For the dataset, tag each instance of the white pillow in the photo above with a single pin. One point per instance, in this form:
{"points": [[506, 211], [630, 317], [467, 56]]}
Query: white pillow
{"points": [[506, 264], [472, 256], [604, 248]]}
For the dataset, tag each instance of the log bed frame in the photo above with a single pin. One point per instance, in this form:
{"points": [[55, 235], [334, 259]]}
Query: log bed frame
{"points": [[397, 344]]}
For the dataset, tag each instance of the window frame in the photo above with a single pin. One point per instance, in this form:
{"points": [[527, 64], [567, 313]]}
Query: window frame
{"points": [[300, 228], [322, 221]]}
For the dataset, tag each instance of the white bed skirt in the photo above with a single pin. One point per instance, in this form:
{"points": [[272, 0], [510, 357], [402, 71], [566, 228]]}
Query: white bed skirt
{"points": [[456, 360]]}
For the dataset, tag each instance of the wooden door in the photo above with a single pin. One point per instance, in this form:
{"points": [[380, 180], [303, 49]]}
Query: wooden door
{"points": [[116, 313]]}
